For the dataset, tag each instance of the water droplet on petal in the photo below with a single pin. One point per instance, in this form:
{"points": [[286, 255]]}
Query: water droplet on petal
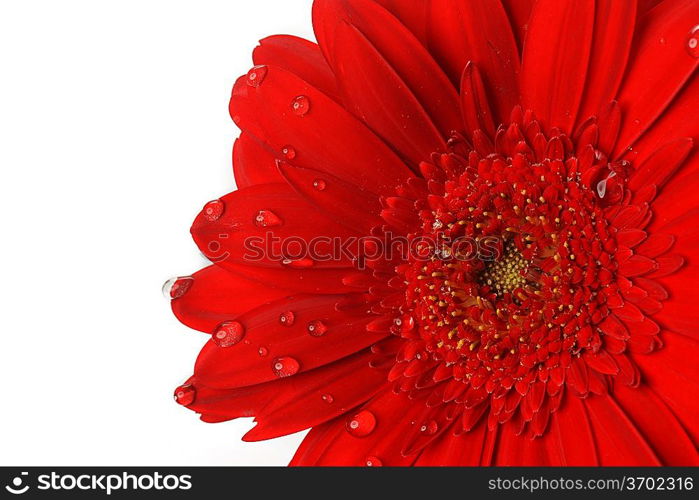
{"points": [[262, 351], [304, 263], [213, 210], [373, 462], [266, 218], [430, 427], [362, 424], [287, 318], [327, 398], [175, 288], [185, 394], [319, 184], [301, 105], [602, 188], [228, 333], [317, 328], [256, 75], [289, 152], [602, 185], [693, 42], [285, 366]]}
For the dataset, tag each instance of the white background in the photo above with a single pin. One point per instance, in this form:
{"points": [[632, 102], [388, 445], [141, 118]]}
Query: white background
{"points": [[114, 132]]}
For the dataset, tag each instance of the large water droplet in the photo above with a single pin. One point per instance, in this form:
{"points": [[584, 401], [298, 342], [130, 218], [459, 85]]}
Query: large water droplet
{"points": [[301, 105], [362, 424], [602, 188], [319, 184], [317, 328], [256, 76], [327, 398], [289, 152], [602, 185], [175, 288], [430, 427], [287, 318], [228, 333], [213, 210], [372, 461], [285, 366], [266, 218], [185, 394]]}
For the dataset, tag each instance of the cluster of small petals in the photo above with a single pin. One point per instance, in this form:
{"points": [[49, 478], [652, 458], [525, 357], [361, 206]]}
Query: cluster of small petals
{"points": [[522, 262]]}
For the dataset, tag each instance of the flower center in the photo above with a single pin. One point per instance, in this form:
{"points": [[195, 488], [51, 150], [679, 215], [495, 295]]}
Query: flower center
{"points": [[506, 274], [516, 258]]}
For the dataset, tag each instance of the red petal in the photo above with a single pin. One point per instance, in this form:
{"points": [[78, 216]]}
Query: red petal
{"points": [[373, 91], [298, 56], [678, 120], [655, 245], [411, 14], [316, 441], [468, 448], [570, 434], [629, 312], [317, 396], [674, 379], [519, 12], [477, 31], [660, 65], [393, 414], [326, 138], [655, 290], [637, 265], [646, 5], [266, 339], [611, 44], [344, 203], [555, 60], [656, 422], [323, 281], [630, 237], [403, 53], [662, 165], [217, 295], [677, 207], [667, 264], [619, 441], [601, 362], [256, 214], [475, 108], [613, 327], [577, 377], [609, 122], [253, 163], [295, 403], [515, 448], [429, 426]]}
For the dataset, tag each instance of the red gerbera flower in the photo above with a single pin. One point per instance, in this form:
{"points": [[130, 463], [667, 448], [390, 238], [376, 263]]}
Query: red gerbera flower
{"points": [[554, 138]]}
